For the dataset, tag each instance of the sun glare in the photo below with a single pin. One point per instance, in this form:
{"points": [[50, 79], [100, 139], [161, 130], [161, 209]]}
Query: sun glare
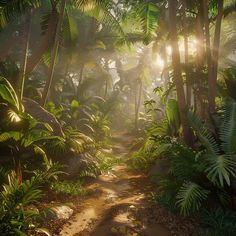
{"points": [[159, 62]]}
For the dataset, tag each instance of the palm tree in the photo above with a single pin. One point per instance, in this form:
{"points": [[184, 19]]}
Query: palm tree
{"points": [[177, 69], [212, 80]]}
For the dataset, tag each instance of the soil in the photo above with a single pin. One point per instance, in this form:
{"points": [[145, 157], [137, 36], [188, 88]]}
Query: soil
{"points": [[120, 205]]}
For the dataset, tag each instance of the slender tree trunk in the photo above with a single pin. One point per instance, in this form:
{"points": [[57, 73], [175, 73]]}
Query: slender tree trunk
{"points": [[45, 44], [81, 75], [165, 72], [211, 100], [54, 54], [25, 44], [106, 89], [200, 37], [138, 97], [186, 55], [177, 70], [215, 58], [200, 61]]}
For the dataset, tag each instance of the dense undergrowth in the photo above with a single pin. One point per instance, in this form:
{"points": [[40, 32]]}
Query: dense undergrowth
{"points": [[75, 73]]}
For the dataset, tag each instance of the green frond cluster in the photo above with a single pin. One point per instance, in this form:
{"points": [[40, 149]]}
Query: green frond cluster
{"points": [[190, 197]]}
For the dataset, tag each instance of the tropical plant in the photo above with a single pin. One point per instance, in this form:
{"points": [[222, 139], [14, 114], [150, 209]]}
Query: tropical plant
{"points": [[16, 213], [218, 222], [27, 134]]}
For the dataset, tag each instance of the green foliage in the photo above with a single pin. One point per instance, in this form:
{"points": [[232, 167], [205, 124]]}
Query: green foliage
{"points": [[190, 197], [16, 215], [12, 8], [106, 161], [92, 171], [146, 155], [98, 127], [74, 141], [219, 222], [227, 131], [165, 200], [8, 94], [68, 188], [219, 167], [146, 15], [203, 133]]}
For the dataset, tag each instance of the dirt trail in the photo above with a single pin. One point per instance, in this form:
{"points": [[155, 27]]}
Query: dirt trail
{"points": [[111, 211]]}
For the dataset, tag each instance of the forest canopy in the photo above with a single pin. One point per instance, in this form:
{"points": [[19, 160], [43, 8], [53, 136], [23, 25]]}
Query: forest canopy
{"points": [[94, 89]]}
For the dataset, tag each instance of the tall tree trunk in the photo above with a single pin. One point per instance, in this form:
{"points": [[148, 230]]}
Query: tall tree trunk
{"points": [[200, 62], [211, 100], [45, 44], [215, 58], [25, 44], [165, 72], [54, 54], [186, 59], [177, 70]]}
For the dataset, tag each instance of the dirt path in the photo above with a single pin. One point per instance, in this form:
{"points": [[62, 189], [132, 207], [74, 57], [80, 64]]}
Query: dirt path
{"points": [[112, 210]]}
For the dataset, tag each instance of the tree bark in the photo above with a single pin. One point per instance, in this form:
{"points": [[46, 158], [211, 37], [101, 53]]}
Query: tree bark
{"points": [[211, 100], [186, 59], [54, 54], [215, 58], [45, 44], [25, 44], [177, 70], [165, 72]]}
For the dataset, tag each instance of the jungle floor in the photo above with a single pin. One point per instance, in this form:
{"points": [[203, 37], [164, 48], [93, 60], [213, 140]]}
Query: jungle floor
{"points": [[119, 204]]}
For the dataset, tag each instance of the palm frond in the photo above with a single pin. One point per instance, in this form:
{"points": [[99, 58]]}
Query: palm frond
{"points": [[147, 15], [9, 9], [203, 133], [190, 197], [228, 128], [220, 168], [102, 12]]}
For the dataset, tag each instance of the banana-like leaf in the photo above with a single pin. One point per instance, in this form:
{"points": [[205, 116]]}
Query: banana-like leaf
{"points": [[8, 93], [10, 135], [38, 150]]}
